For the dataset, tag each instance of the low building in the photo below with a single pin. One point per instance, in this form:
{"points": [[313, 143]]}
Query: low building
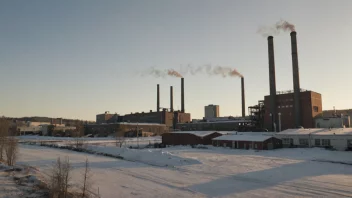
{"points": [[120, 128], [333, 122], [191, 137], [336, 138], [229, 125], [257, 142]]}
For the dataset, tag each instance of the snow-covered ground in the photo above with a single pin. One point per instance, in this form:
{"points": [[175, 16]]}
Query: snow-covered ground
{"points": [[212, 172], [127, 142]]}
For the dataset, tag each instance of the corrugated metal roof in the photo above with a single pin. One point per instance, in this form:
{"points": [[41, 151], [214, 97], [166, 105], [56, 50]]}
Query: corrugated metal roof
{"points": [[251, 138], [317, 131]]}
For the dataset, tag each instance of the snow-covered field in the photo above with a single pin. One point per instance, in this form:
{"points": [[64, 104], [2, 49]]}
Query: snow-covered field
{"points": [[212, 172]]}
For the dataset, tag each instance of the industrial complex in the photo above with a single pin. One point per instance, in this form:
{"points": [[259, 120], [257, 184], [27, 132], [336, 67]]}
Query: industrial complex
{"points": [[278, 111]]}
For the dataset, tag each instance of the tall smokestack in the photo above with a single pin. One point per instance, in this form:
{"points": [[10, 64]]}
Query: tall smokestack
{"points": [[157, 98], [272, 81], [171, 99], [243, 98], [296, 86], [182, 96]]}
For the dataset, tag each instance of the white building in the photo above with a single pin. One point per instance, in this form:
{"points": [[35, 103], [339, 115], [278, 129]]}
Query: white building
{"points": [[211, 111], [333, 122], [337, 138]]}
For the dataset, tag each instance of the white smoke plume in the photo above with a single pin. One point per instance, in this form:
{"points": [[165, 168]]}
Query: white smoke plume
{"points": [[280, 26]]}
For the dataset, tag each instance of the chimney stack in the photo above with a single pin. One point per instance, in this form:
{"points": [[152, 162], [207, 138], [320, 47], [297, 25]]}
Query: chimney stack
{"points": [[157, 98], [171, 99], [243, 98], [272, 81], [296, 86], [182, 96]]}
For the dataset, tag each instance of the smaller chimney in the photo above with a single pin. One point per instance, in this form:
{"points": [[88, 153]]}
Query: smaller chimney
{"points": [[171, 99], [157, 98], [243, 98], [182, 96]]}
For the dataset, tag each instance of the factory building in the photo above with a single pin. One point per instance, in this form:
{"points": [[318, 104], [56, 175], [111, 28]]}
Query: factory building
{"points": [[333, 122], [310, 107], [211, 111], [166, 116], [106, 117], [229, 125], [121, 128], [292, 109]]}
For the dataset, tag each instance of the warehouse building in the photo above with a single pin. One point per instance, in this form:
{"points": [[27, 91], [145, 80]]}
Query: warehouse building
{"points": [[121, 128], [333, 122], [229, 125], [257, 142], [336, 138], [191, 137]]}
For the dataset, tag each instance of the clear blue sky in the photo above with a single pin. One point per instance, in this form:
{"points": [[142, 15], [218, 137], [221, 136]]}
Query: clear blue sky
{"points": [[75, 59]]}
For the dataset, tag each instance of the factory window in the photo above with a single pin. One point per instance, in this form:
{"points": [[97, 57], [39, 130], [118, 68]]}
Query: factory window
{"points": [[349, 143], [315, 108], [326, 142], [291, 106], [278, 107], [286, 106], [285, 141], [317, 142], [303, 142]]}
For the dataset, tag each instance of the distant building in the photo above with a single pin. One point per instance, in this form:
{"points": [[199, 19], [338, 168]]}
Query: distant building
{"points": [[211, 111], [106, 117], [333, 122], [120, 128], [170, 119]]}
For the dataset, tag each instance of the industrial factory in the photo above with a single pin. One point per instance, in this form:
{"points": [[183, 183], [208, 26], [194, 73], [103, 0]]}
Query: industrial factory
{"points": [[277, 111]]}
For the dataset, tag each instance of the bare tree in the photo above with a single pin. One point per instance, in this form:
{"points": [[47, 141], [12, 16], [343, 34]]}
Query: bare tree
{"points": [[11, 150], [77, 134], [86, 180], [4, 130], [60, 178], [119, 140]]}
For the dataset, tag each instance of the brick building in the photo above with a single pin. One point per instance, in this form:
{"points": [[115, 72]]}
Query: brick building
{"points": [[170, 119], [122, 127], [310, 107], [257, 142]]}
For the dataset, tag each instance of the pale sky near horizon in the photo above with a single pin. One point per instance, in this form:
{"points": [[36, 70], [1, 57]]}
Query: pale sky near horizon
{"points": [[75, 59]]}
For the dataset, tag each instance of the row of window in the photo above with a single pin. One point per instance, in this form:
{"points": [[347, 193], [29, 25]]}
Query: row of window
{"points": [[287, 106], [305, 142]]}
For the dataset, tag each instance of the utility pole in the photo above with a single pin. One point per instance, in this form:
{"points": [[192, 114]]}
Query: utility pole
{"points": [[137, 136]]}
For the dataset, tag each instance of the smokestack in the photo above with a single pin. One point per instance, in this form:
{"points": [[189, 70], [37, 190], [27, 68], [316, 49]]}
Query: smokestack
{"points": [[272, 81], [243, 98], [171, 99], [157, 98], [182, 96], [296, 86]]}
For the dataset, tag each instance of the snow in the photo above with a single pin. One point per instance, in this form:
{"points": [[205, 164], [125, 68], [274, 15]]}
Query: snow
{"points": [[147, 156], [204, 133], [253, 138], [216, 172], [317, 131]]}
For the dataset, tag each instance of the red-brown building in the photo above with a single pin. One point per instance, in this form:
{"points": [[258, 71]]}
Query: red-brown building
{"points": [[311, 106], [190, 137], [257, 142]]}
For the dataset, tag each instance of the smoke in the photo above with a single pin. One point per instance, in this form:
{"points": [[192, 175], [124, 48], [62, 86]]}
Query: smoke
{"points": [[280, 26], [161, 73], [172, 72], [212, 71], [199, 70]]}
